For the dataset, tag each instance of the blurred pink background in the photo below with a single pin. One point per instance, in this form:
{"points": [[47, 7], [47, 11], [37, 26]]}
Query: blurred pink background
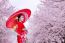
{"points": [[46, 24]]}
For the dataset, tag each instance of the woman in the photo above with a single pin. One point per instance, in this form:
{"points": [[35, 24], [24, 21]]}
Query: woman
{"points": [[21, 30]]}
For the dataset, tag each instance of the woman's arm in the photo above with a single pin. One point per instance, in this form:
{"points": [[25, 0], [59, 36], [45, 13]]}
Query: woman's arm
{"points": [[26, 31]]}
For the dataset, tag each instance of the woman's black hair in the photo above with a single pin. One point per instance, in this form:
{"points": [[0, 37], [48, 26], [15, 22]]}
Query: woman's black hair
{"points": [[19, 16]]}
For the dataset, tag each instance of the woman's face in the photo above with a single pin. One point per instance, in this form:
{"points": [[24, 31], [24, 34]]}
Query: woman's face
{"points": [[21, 18]]}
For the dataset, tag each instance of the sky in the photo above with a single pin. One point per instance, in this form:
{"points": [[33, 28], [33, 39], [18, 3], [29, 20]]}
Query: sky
{"points": [[21, 4]]}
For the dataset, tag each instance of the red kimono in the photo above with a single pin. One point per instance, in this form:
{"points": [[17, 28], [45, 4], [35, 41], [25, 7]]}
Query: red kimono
{"points": [[20, 30]]}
